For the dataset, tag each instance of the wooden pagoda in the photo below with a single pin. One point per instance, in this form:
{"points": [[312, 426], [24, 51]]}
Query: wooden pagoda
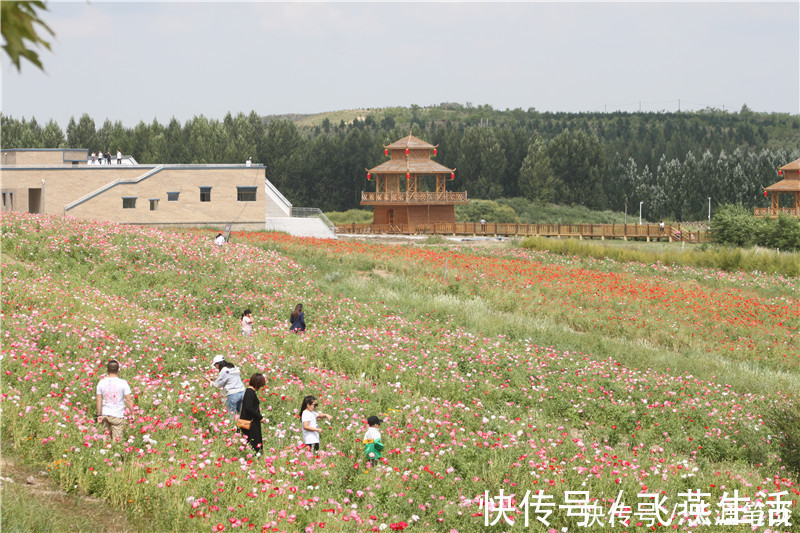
{"points": [[790, 184], [400, 197]]}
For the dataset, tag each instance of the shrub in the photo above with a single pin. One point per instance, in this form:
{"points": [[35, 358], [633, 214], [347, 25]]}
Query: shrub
{"points": [[782, 233], [488, 210], [734, 225]]}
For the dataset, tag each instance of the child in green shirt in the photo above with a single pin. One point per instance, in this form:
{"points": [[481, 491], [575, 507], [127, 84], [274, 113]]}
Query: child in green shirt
{"points": [[372, 441]]}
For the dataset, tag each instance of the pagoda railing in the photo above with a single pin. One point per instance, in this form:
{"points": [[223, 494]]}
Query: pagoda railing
{"points": [[770, 212], [417, 197]]}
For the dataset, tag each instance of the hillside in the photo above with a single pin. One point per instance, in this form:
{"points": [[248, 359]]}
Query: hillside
{"points": [[492, 369]]}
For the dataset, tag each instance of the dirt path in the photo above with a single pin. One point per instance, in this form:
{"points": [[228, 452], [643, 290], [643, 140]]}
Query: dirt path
{"points": [[32, 502]]}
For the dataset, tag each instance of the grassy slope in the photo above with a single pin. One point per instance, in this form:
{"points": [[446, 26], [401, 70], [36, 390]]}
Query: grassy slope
{"points": [[392, 302]]}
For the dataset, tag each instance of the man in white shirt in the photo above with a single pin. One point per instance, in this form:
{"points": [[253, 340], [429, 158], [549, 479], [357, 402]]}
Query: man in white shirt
{"points": [[113, 395]]}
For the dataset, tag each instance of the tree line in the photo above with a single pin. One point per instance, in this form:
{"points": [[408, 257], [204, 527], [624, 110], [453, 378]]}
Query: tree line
{"points": [[672, 162]]}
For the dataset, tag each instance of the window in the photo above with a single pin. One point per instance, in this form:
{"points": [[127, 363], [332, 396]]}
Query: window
{"points": [[153, 204], [8, 200], [205, 194], [246, 194], [129, 202], [173, 196]]}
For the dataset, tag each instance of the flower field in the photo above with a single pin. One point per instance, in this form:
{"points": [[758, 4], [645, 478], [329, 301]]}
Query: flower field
{"points": [[620, 397]]}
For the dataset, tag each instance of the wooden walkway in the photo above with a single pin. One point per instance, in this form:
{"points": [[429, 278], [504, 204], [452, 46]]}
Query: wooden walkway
{"points": [[646, 232]]}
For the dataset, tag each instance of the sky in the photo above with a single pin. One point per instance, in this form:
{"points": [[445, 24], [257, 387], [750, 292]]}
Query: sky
{"points": [[136, 61]]}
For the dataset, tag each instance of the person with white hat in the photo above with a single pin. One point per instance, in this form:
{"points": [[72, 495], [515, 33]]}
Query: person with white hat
{"points": [[229, 379]]}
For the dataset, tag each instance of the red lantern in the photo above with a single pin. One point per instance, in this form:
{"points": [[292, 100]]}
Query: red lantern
{"points": [[386, 152], [434, 152], [408, 176], [452, 175], [765, 193], [369, 176], [780, 172], [407, 151]]}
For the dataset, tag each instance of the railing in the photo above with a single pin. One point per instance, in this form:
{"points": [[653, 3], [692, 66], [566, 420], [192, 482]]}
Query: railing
{"points": [[770, 212], [89, 196], [418, 197], [312, 212], [279, 199], [603, 231]]}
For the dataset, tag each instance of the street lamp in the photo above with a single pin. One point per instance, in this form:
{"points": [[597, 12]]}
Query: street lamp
{"points": [[709, 210], [640, 212]]}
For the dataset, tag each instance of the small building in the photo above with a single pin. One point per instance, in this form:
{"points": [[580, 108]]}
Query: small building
{"points": [[790, 184], [65, 182], [410, 188]]}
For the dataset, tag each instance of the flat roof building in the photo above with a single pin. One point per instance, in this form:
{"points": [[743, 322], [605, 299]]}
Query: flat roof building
{"points": [[66, 182]]}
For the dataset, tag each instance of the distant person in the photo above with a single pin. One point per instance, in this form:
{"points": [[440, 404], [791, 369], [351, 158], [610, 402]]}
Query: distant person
{"points": [[92, 159], [372, 441], [308, 417], [113, 395], [249, 161], [297, 319], [247, 323], [107, 155], [119, 157], [219, 239], [661, 226], [230, 380], [251, 411]]}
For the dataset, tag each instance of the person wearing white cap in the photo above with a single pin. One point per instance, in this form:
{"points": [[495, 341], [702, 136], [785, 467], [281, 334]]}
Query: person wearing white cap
{"points": [[229, 379]]}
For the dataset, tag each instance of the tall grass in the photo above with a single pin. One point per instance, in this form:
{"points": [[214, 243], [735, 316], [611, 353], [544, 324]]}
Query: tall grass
{"points": [[351, 216], [724, 258]]}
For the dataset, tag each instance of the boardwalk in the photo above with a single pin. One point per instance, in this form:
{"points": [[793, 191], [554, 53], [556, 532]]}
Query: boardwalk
{"points": [[646, 232]]}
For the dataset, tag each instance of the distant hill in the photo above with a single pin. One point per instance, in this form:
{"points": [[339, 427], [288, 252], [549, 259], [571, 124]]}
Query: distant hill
{"points": [[317, 119]]}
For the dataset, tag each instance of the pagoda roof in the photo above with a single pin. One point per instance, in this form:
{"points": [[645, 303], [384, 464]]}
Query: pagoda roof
{"points": [[794, 165], [409, 142], [785, 185], [791, 180], [412, 166]]}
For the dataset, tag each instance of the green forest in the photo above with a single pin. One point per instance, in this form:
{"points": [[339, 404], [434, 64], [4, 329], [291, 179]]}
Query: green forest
{"points": [[671, 162]]}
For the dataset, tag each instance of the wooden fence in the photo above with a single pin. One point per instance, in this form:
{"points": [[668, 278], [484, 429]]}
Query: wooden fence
{"points": [[648, 232]]}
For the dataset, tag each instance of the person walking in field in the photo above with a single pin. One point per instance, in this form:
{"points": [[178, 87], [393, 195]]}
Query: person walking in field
{"points": [[308, 417], [230, 379], [252, 411], [247, 323], [372, 441], [113, 395], [297, 319]]}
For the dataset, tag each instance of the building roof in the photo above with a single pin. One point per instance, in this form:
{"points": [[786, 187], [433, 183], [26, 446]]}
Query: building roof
{"points": [[410, 142], [412, 166], [791, 180], [785, 185], [794, 165]]}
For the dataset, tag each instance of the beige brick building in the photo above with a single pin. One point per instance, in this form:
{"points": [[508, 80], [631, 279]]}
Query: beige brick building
{"points": [[61, 182]]}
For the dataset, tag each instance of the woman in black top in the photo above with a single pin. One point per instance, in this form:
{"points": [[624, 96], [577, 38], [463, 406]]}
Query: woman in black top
{"points": [[251, 411], [297, 319]]}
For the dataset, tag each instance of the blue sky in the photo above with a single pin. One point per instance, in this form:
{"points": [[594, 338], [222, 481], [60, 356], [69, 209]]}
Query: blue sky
{"points": [[144, 61]]}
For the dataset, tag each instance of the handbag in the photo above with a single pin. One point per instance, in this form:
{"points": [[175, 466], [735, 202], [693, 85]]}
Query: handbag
{"points": [[242, 423]]}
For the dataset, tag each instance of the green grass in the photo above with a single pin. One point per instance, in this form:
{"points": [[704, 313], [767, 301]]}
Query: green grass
{"points": [[706, 256]]}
